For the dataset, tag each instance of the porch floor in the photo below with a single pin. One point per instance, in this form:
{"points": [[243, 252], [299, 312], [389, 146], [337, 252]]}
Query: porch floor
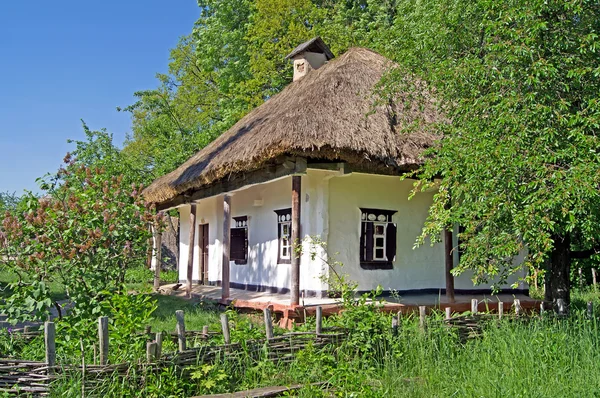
{"points": [[244, 299]]}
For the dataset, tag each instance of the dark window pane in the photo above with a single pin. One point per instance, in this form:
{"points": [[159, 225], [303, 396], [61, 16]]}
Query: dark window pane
{"points": [[379, 253], [379, 230], [379, 242]]}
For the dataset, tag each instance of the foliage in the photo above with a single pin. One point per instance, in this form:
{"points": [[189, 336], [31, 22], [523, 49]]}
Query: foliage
{"points": [[519, 163], [84, 235], [8, 201]]}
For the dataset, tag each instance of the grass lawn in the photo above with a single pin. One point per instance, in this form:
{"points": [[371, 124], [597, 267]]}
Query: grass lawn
{"points": [[57, 290], [197, 314]]}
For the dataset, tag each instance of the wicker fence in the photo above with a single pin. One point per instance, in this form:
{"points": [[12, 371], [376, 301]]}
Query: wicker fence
{"points": [[35, 377]]}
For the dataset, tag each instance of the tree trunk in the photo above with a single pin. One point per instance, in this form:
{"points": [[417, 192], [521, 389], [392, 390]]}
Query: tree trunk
{"points": [[560, 274]]}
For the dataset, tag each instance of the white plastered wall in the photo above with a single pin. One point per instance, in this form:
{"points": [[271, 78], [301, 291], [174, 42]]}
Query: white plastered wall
{"points": [[259, 203], [413, 268]]}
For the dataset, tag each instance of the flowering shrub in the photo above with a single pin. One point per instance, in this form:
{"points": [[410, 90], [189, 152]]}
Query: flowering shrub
{"points": [[84, 234]]}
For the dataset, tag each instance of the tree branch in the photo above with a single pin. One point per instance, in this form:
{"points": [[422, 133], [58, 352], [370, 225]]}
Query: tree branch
{"points": [[584, 254]]}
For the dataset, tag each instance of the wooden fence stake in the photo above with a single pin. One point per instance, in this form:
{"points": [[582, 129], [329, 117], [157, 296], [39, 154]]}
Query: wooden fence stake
{"points": [[590, 310], [562, 308], [150, 351], [180, 329], [500, 309], [103, 337], [205, 331], [474, 306], [422, 314], [50, 342], [319, 320], [594, 278], [394, 325], [225, 327], [542, 309], [517, 307], [268, 323], [159, 341], [448, 313]]}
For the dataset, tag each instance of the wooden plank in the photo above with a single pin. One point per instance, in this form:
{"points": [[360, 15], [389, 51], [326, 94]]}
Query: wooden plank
{"points": [[449, 264], [159, 341], [225, 328], [180, 330], [296, 243], [158, 256], [319, 320], [192, 244], [103, 338], [268, 323], [275, 391], [226, 243], [50, 343]]}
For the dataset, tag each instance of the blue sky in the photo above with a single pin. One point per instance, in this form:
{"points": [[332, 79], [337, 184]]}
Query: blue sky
{"points": [[66, 60]]}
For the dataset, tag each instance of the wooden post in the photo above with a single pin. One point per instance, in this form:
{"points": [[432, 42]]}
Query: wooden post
{"points": [[159, 341], [50, 343], [500, 309], [180, 329], [448, 313], [268, 323], [394, 325], [449, 261], [192, 243], [295, 237], [517, 307], [590, 310], [542, 310], [158, 256], [474, 306], [225, 327], [205, 331], [562, 308], [594, 278], [319, 320], [226, 238], [150, 351], [103, 337], [422, 314]]}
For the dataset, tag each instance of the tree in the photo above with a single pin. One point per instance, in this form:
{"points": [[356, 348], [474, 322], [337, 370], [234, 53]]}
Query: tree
{"points": [[518, 162], [8, 201], [89, 228]]}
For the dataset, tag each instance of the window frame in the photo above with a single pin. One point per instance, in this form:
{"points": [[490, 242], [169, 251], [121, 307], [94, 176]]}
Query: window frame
{"points": [[281, 223], [370, 220], [240, 223]]}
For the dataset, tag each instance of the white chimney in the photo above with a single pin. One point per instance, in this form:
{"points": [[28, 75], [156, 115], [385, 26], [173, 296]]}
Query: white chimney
{"points": [[308, 56]]}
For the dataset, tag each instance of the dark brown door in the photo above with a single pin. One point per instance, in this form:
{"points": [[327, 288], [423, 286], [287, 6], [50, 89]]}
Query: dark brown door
{"points": [[203, 239]]}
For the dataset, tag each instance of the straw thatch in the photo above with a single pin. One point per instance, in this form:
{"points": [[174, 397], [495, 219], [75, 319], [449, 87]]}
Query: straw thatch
{"points": [[327, 114]]}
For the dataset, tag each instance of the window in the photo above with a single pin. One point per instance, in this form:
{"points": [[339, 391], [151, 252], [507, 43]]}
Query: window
{"points": [[284, 233], [377, 239], [238, 251]]}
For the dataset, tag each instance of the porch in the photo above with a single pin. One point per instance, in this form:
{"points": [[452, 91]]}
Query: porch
{"points": [[245, 300]]}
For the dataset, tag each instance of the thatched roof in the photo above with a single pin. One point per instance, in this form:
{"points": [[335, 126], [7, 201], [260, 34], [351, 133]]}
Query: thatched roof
{"points": [[327, 114]]}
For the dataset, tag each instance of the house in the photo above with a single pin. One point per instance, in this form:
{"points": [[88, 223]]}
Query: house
{"points": [[316, 160]]}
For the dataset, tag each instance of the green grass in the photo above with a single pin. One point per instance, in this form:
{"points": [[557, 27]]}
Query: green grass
{"points": [[197, 314], [57, 290]]}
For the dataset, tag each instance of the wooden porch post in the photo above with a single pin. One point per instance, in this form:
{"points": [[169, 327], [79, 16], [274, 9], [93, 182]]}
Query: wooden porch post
{"points": [[295, 263], [449, 265], [226, 238], [158, 255], [190, 264]]}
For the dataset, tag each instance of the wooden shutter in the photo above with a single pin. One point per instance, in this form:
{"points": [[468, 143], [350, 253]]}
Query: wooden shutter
{"points": [[237, 249], [390, 241], [362, 242], [369, 241]]}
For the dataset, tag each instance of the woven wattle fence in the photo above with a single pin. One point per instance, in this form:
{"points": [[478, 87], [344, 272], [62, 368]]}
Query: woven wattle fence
{"points": [[34, 378]]}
